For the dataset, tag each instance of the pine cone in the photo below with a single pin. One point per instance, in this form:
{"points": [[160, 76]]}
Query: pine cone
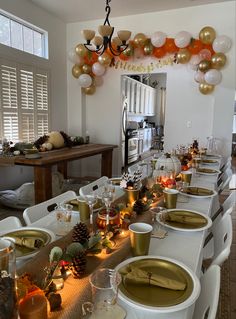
{"points": [[139, 207], [67, 139], [80, 233], [40, 141], [78, 265]]}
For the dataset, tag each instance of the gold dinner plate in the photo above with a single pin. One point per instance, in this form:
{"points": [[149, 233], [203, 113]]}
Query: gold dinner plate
{"points": [[30, 232], [97, 207], [197, 192], [207, 171], [203, 221], [116, 181], [154, 297], [209, 161]]}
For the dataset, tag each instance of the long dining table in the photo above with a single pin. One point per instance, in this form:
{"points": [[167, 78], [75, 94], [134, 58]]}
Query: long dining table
{"points": [[185, 247]]}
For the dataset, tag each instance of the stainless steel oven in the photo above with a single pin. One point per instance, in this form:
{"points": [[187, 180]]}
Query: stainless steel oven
{"points": [[131, 146]]}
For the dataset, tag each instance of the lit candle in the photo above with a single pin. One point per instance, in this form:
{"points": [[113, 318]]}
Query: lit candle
{"points": [[33, 307]]}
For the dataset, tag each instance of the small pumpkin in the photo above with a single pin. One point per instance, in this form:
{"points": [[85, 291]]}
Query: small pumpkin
{"points": [[56, 139], [169, 163]]}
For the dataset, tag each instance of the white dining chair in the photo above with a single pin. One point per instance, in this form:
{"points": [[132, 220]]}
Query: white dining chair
{"points": [[93, 186], [217, 250], [9, 223], [225, 180], [34, 213], [207, 303]]}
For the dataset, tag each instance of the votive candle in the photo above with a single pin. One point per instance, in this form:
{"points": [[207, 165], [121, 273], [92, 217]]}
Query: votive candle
{"points": [[33, 307]]}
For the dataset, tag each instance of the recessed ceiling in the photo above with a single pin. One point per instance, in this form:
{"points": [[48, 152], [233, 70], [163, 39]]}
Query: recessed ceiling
{"points": [[83, 10]]}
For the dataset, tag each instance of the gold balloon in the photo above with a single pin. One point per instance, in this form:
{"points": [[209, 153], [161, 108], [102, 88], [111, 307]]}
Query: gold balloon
{"points": [[129, 51], [183, 56], [81, 50], [86, 68], [104, 59], [206, 88], [89, 90], [204, 65], [148, 48], [218, 60], [140, 39], [207, 35], [76, 71]]}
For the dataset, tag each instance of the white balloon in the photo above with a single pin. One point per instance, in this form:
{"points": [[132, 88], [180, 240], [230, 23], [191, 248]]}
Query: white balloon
{"points": [[74, 58], [182, 39], [158, 39], [98, 69], [85, 80], [213, 77], [194, 61], [222, 44], [199, 77]]}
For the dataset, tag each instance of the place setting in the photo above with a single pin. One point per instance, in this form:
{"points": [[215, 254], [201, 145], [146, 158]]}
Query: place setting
{"points": [[197, 192]]}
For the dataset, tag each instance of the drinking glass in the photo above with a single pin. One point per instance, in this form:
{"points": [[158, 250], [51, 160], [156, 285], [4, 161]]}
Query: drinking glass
{"points": [[181, 186], [107, 198], [104, 284], [63, 216], [91, 200]]}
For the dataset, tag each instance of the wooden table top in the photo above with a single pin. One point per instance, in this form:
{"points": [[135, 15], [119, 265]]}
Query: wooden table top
{"points": [[59, 155]]}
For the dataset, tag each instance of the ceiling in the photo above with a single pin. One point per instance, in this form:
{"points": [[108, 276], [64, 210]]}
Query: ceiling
{"points": [[83, 10]]}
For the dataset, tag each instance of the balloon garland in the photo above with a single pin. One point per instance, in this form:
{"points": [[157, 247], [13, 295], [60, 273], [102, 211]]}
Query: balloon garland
{"points": [[205, 55]]}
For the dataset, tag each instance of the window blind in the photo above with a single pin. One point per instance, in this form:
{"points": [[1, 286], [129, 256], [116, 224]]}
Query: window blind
{"points": [[24, 102]]}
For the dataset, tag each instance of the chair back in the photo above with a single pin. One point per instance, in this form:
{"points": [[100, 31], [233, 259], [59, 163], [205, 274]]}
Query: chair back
{"points": [[9, 223], [223, 237], [225, 180], [230, 201], [34, 213], [207, 303], [92, 187]]}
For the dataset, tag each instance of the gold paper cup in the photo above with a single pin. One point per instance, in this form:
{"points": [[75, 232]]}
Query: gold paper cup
{"points": [[83, 209], [186, 176], [140, 235], [131, 195], [170, 198]]}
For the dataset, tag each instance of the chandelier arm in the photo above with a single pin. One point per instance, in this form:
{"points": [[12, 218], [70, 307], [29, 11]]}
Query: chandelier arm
{"points": [[97, 51]]}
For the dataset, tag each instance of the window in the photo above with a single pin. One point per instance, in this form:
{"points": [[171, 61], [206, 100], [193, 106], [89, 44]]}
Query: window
{"points": [[22, 35], [24, 101]]}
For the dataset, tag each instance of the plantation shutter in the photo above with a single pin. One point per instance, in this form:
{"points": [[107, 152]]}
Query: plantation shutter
{"points": [[9, 102], [24, 102]]}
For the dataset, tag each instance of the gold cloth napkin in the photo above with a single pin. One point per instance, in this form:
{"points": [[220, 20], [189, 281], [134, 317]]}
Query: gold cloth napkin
{"points": [[139, 276], [198, 191], [29, 242], [185, 219]]}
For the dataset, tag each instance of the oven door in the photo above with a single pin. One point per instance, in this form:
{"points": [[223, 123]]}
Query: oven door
{"points": [[132, 149]]}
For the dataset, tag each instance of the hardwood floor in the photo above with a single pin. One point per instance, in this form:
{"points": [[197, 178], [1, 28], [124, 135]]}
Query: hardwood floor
{"points": [[227, 302]]}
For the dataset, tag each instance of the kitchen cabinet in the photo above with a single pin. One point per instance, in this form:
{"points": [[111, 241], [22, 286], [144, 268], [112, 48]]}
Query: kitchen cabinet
{"points": [[141, 98]]}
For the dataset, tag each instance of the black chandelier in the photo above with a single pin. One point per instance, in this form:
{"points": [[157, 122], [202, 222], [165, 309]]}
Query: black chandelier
{"points": [[116, 45]]}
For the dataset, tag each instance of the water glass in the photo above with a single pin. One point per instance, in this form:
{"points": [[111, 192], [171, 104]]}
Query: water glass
{"points": [[104, 284], [63, 217]]}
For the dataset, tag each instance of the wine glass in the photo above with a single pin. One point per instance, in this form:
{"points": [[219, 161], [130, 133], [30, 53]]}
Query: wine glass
{"points": [[91, 200], [107, 198]]}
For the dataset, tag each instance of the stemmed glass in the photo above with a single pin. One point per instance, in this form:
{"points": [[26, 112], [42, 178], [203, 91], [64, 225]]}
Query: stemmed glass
{"points": [[107, 198], [91, 200]]}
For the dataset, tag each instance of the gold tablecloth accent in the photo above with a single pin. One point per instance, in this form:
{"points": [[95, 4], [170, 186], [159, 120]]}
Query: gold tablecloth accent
{"points": [[78, 291]]}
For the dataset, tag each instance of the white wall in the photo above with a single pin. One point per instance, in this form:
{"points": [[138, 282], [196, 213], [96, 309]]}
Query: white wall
{"points": [[26, 10], [209, 115]]}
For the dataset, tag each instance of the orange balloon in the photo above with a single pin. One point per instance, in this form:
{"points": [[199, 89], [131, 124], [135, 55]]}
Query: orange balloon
{"points": [[195, 46], [124, 57], [90, 58], [159, 52], [170, 46], [209, 47]]}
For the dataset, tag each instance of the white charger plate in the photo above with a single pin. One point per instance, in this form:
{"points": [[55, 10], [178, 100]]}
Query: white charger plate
{"points": [[167, 309], [179, 228]]}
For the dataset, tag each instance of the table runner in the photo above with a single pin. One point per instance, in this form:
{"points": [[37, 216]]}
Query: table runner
{"points": [[77, 291]]}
